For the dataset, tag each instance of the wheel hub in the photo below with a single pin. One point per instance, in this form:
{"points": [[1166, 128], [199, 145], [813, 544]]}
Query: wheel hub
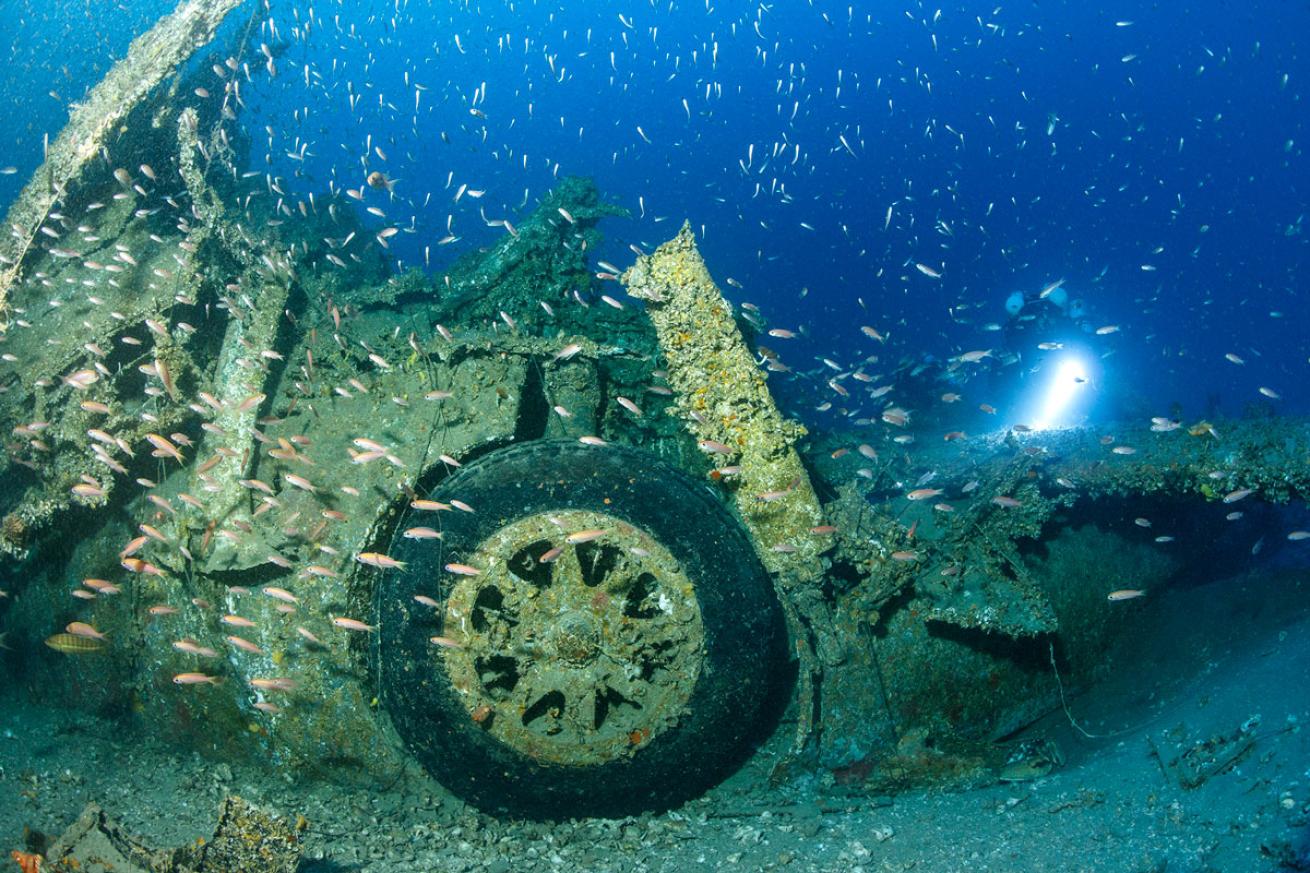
{"points": [[580, 639], [575, 642]]}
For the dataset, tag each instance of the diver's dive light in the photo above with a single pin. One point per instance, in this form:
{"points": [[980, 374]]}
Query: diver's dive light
{"points": [[1068, 383]]}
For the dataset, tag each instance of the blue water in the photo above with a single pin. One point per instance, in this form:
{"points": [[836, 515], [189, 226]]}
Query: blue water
{"points": [[1152, 157]]}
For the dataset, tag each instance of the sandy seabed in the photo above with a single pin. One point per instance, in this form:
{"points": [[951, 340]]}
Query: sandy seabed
{"points": [[1226, 655]]}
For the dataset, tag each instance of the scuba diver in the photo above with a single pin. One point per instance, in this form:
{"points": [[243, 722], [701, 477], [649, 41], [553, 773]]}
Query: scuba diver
{"points": [[1049, 315], [1050, 335]]}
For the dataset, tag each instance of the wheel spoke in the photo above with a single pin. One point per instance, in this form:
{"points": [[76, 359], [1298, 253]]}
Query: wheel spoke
{"points": [[616, 680], [568, 571], [580, 710]]}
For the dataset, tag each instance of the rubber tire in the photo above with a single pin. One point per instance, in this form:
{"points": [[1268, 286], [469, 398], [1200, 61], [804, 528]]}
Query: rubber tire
{"points": [[743, 655]]}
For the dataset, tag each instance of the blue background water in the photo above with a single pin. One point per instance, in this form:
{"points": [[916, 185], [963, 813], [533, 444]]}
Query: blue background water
{"points": [[1175, 143]]}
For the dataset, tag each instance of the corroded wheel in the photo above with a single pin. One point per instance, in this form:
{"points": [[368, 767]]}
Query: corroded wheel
{"points": [[579, 657], [604, 638]]}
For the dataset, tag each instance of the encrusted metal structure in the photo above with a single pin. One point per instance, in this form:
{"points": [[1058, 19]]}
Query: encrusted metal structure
{"points": [[238, 423]]}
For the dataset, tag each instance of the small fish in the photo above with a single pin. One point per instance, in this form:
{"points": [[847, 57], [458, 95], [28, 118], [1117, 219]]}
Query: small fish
{"points": [[300, 482], [100, 586], [250, 402], [1239, 494], [1006, 502], [905, 555], [191, 647], [280, 594], [70, 644], [429, 505], [928, 271], [584, 536], [82, 629], [196, 679], [421, 533], [714, 447], [567, 352], [273, 683], [244, 645], [1297, 536], [463, 570], [88, 491], [923, 493], [164, 448], [351, 624], [81, 379], [445, 642], [379, 560], [1125, 594]]}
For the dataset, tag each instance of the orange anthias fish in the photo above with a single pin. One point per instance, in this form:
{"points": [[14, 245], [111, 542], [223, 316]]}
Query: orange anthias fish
{"points": [[28, 862], [379, 560]]}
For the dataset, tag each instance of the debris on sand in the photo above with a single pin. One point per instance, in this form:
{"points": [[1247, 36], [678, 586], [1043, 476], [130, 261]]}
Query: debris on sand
{"points": [[246, 840]]}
